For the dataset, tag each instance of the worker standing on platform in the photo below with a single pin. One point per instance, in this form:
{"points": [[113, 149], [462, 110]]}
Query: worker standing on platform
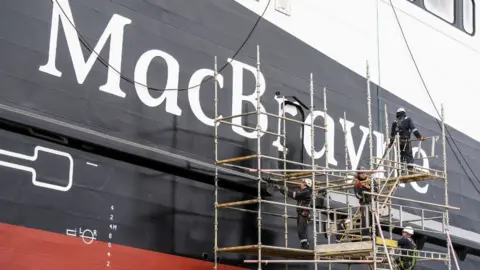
{"points": [[409, 248], [404, 126], [303, 198], [362, 185]]}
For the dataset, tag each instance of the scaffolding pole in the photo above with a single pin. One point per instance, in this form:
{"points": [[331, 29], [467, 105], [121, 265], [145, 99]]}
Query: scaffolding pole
{"points": [[327, 194], [447, 219], [346, 154], [370, 144], [259, 162], [312, 151], [387, 137], [215, 247], [285, 209]]}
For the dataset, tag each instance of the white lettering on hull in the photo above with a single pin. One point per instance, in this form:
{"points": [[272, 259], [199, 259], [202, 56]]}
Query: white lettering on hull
{"points": [[172, 81], [194, 94], [115, 31], [238, 97], [330, 133], [289, 110], [354, 156]]}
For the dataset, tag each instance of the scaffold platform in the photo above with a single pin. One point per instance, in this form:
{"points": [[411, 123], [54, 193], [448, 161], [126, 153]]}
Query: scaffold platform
{"points": [[271, 251], [343, 184]]}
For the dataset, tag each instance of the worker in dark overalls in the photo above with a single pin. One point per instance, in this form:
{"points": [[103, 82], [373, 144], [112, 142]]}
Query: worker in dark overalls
{"points": [[303, 198], [362, 184], [404, 127], [409, 248]]}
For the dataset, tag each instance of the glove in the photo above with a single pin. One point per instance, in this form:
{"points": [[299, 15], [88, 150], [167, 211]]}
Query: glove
{"points": [[268, 180], [422, 138]]}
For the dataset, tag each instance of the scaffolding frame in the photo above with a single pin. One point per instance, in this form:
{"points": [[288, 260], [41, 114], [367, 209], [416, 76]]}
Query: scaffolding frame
{"points": [[377, 250]]}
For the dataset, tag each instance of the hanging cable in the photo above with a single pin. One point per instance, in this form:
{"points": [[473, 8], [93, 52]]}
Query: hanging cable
{"points": [[450, 138], [107, 65]]}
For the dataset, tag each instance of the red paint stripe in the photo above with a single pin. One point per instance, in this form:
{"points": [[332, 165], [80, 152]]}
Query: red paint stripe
{"points": [[31, 249]]}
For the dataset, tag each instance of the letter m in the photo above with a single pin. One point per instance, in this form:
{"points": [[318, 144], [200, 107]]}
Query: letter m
{"points": [[63, 13]]}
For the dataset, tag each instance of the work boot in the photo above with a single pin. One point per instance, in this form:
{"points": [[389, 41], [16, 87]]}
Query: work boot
{"points": [[305, 245]]}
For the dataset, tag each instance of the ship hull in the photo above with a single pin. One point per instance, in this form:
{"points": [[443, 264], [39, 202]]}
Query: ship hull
{"points": [[26, 248], [146, 157]]}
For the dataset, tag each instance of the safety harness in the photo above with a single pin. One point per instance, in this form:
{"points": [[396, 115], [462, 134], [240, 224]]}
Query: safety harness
{"points": [[304, 203], [413, 258]]}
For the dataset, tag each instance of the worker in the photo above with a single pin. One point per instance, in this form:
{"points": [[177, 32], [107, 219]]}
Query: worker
{"points": [[362, 185], [409, 248], [303, 198], [404, 126]]}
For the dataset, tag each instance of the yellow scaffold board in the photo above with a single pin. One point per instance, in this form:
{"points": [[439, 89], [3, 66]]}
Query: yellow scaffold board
{"points": [[349, 249], [390, 181], [411, 178], [271, 251], [352, 249], [388, 242]]}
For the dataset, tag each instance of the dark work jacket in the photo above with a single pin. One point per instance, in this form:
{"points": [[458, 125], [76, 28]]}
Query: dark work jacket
{"points": [[407, 243], [303, 198], [404, 126]]}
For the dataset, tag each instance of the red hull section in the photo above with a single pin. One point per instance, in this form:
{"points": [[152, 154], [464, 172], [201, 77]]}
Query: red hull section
{"points": [[30, 249]]}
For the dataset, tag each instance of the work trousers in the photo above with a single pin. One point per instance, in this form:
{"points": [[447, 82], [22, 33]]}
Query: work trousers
{"points": [[406, 153], [302, 226], [366, 215]]}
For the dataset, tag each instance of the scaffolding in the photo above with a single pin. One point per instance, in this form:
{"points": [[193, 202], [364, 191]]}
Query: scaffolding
{"points": [[346, 225]]}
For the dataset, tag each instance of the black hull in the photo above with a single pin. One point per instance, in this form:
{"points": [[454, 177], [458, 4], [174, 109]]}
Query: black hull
{"points": [[166, 201]]}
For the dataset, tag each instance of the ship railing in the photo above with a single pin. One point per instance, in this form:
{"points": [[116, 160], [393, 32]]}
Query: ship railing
{"points": [[420, 255], [392, 215], [396, 215], [434, 139]]}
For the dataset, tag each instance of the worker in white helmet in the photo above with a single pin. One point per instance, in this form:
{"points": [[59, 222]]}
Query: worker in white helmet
{"points": [[303, 198], [409, 248], [404, 126]]}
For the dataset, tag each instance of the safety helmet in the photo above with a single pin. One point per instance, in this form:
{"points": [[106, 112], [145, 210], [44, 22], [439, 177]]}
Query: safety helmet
{"points": [[307, 182], [361, 169], [408, 230], [400, 110]]}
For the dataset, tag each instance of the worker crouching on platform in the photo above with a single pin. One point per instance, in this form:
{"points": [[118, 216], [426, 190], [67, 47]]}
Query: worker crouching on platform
{"points": [[409, 248], [303, 198]]}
